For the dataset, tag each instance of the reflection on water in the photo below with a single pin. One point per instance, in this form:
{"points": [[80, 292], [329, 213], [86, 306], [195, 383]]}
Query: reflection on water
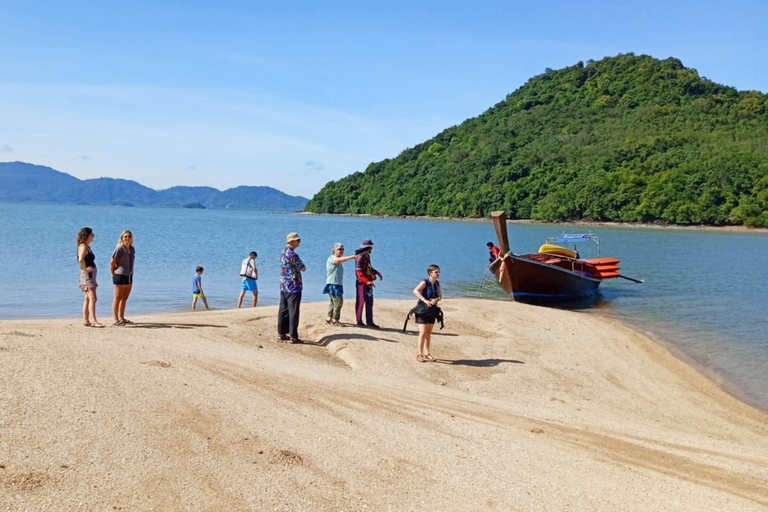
{"points": [[704, 291]]}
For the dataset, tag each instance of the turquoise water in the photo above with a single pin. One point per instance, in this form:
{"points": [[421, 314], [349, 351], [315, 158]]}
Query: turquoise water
{"points": [[704, 291]]}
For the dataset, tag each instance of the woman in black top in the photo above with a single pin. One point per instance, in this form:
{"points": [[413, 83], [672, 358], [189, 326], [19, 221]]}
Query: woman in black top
{"points": [[88, 285], [427, 291], [121, 267]]}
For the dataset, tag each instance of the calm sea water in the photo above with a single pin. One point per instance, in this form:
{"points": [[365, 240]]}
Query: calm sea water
{"points": [[704, 292]]}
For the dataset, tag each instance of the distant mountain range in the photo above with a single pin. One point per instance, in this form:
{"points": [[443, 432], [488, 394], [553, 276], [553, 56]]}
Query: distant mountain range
{"points": [[20, 182]]}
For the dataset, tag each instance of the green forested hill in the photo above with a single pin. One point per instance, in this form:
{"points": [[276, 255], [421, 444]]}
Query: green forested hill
{"points": [[628, 138]]}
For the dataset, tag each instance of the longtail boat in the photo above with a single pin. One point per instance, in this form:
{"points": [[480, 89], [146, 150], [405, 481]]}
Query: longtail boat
{"points": [[555, 273]]}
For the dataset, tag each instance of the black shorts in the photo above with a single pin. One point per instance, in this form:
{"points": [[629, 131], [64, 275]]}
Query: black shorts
{"points": [[119, 280], [424, 320]]}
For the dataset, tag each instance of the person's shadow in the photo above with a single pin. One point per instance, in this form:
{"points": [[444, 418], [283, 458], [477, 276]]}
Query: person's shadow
{"points": [[477, 363], [152, 325]]}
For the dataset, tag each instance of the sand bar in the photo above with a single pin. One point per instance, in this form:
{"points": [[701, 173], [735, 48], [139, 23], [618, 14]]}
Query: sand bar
{"points": [[527, 409]]}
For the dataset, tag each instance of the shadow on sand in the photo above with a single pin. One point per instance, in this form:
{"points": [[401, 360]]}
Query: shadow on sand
{"points": [[351, 335], [478, 363], [152, 325]]}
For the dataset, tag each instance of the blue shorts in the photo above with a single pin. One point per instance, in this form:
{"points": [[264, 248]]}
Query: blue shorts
{"points": [[249, 285]]}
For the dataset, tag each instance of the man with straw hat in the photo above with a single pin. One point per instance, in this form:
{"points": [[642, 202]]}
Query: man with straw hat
{"points": [[291, 287]]}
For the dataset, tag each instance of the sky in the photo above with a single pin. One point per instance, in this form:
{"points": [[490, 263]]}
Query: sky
{"points": [[294, 94]]}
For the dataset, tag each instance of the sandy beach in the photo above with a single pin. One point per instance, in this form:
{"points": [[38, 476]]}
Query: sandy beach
{"points": [[526, 409]]}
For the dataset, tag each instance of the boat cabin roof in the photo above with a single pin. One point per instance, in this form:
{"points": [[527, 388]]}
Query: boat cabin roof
{"points": [[575, 238], [572, 238]]}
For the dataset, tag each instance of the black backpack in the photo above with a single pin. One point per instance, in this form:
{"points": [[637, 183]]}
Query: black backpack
{"points": [[427, 312]]}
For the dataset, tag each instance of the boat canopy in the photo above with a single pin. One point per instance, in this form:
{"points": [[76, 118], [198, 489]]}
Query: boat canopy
{"points": [[575, 238]]}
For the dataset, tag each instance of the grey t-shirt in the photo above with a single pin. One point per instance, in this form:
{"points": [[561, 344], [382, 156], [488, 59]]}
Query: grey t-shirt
{"points": [[335, 271], [124, 258]]}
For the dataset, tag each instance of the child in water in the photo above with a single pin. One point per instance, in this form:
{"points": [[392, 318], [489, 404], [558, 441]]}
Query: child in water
{"points": [[197, 288]]}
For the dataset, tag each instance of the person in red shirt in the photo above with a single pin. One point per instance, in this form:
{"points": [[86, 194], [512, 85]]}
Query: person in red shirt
{"points": [[494, 253], [365, 276]]}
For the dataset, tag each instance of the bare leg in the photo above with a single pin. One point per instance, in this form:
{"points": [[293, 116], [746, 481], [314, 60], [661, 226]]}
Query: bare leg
{"points": [[116, 304], [255, 298], [92, 306], [194, 303], [428, 338], [422, 336], [205, 301], [126, 292], [86, 308]]}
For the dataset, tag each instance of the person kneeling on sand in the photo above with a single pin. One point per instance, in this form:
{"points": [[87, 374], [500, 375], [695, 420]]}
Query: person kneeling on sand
{"points": [[429, 293]]}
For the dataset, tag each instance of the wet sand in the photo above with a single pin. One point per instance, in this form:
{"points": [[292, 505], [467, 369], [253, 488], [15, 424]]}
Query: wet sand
{"points": [[526, 409]]}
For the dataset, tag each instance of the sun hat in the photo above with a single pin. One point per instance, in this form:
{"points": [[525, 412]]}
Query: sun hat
{"points": [[367, 244], [292, 237]]}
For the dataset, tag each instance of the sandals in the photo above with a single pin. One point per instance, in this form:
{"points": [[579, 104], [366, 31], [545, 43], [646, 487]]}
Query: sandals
{"points": [[336, 323], [98, 325], [126, 321], [119, 323], [329, 320], [420, 358], [86, 324], [428, 357]]}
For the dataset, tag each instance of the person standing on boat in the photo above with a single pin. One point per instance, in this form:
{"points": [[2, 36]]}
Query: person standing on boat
{"points": [[291, 287], [494, 253], [366, 275]]}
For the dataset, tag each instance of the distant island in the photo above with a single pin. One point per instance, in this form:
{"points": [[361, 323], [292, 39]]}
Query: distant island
{"points": [[21, 182], [625, 139]]}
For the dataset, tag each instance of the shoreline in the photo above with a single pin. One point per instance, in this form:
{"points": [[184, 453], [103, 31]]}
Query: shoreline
{"points": [[706, 372], [544, 408], [638, 225]]}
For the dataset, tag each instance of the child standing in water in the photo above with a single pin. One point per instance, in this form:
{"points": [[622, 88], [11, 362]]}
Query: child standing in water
{"points": [[197, 288]]}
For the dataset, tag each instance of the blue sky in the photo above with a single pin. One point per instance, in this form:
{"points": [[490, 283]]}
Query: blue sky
{"points": [[294, 94]]}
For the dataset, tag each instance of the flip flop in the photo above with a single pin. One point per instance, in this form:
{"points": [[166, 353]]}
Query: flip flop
{"points": [[86, 324], [420, 358], [328, 321], [118, 323], [336, 322], [98, 325], [429, 357], [126, 321]]}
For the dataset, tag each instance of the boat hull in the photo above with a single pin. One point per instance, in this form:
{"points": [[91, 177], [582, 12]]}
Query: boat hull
{"points": [[533, 281]]}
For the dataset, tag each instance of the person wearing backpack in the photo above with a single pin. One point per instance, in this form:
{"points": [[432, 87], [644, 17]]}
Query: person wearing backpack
{"points": [[250, 274], [428, 292]]}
